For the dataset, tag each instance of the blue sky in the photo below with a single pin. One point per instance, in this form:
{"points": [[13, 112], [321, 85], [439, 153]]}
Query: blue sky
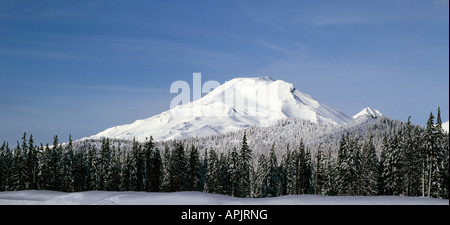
{"points": [[79, 67]]}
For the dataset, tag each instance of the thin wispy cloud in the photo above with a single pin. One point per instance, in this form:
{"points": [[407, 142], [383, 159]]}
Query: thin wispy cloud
{"points": [[128, 89], [445, 2], [342, 13], [276, 48]]}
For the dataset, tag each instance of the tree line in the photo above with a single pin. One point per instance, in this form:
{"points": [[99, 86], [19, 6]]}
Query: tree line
{"points": [[412, 162]]}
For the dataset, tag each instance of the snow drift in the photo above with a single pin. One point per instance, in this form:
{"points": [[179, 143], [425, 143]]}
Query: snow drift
{"points": [[197, 198]]}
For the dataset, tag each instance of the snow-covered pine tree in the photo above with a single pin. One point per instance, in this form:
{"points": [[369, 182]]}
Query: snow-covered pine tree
{"points": [[369, 169], [178, 170], [438, 186], [261, 184], [320, 173], [32, 165], [193, 173], [148, 153], [389, 165], [105, 165], [224, 174], [126, 181], [445, 172], [291, 173], [212, 174], [301, 168], [410, 145], [138, 162], [166, 170], [67, 167], [355, 166], [80, 168], [343, 179], [246, 167], [6, 156], [44, 169], [93, 179], [432, 151], [416, 168], [18, 168], [273, 178], [203, 170], [330, 175], [116, 164], [308, 187], [156, 171], [55, 167], [235, 173]]}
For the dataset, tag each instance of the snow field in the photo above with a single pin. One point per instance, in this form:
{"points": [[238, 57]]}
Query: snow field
{"points": [[197, 198]]}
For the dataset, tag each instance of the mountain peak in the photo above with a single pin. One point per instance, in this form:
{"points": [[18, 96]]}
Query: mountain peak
{"points": [[236, 104], [368, 112]]}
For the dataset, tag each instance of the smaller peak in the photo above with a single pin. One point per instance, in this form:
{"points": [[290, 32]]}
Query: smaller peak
{"points": [[368, 112], [445, 126]]}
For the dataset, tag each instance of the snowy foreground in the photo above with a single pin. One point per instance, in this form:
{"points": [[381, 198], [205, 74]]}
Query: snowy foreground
{"points": [[195, 198]]}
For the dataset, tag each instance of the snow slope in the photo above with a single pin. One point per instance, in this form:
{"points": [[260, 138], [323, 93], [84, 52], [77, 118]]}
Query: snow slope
{"points": [[238, 103], [197, 198], [445, 126]]}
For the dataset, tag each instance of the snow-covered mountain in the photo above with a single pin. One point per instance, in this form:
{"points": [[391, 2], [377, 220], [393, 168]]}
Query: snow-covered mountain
{"points": [[445, 126], [238, 103], [368, 112]]}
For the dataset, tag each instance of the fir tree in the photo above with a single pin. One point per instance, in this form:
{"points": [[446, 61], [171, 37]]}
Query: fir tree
{"points": [[114, 181], [354, 166], [246, 168], [369, 169], [320, 175], [80, 170], [166, 171], [178, 169], [344, 178], [330, 175], [261, 184], [432, 152], [212, 175], [273, 178], [19, 170], [127, 182], [44, 169], [307, 184], [224, 175], [6, 161], [410, 146], [149, 147], [291, 172], [301, 170], [32, 165], [156, 173], [105, 166], [93, 179], [67, 167], [194, 175], [445, 171], [438, 186], [234, 172], [55, 165]]}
